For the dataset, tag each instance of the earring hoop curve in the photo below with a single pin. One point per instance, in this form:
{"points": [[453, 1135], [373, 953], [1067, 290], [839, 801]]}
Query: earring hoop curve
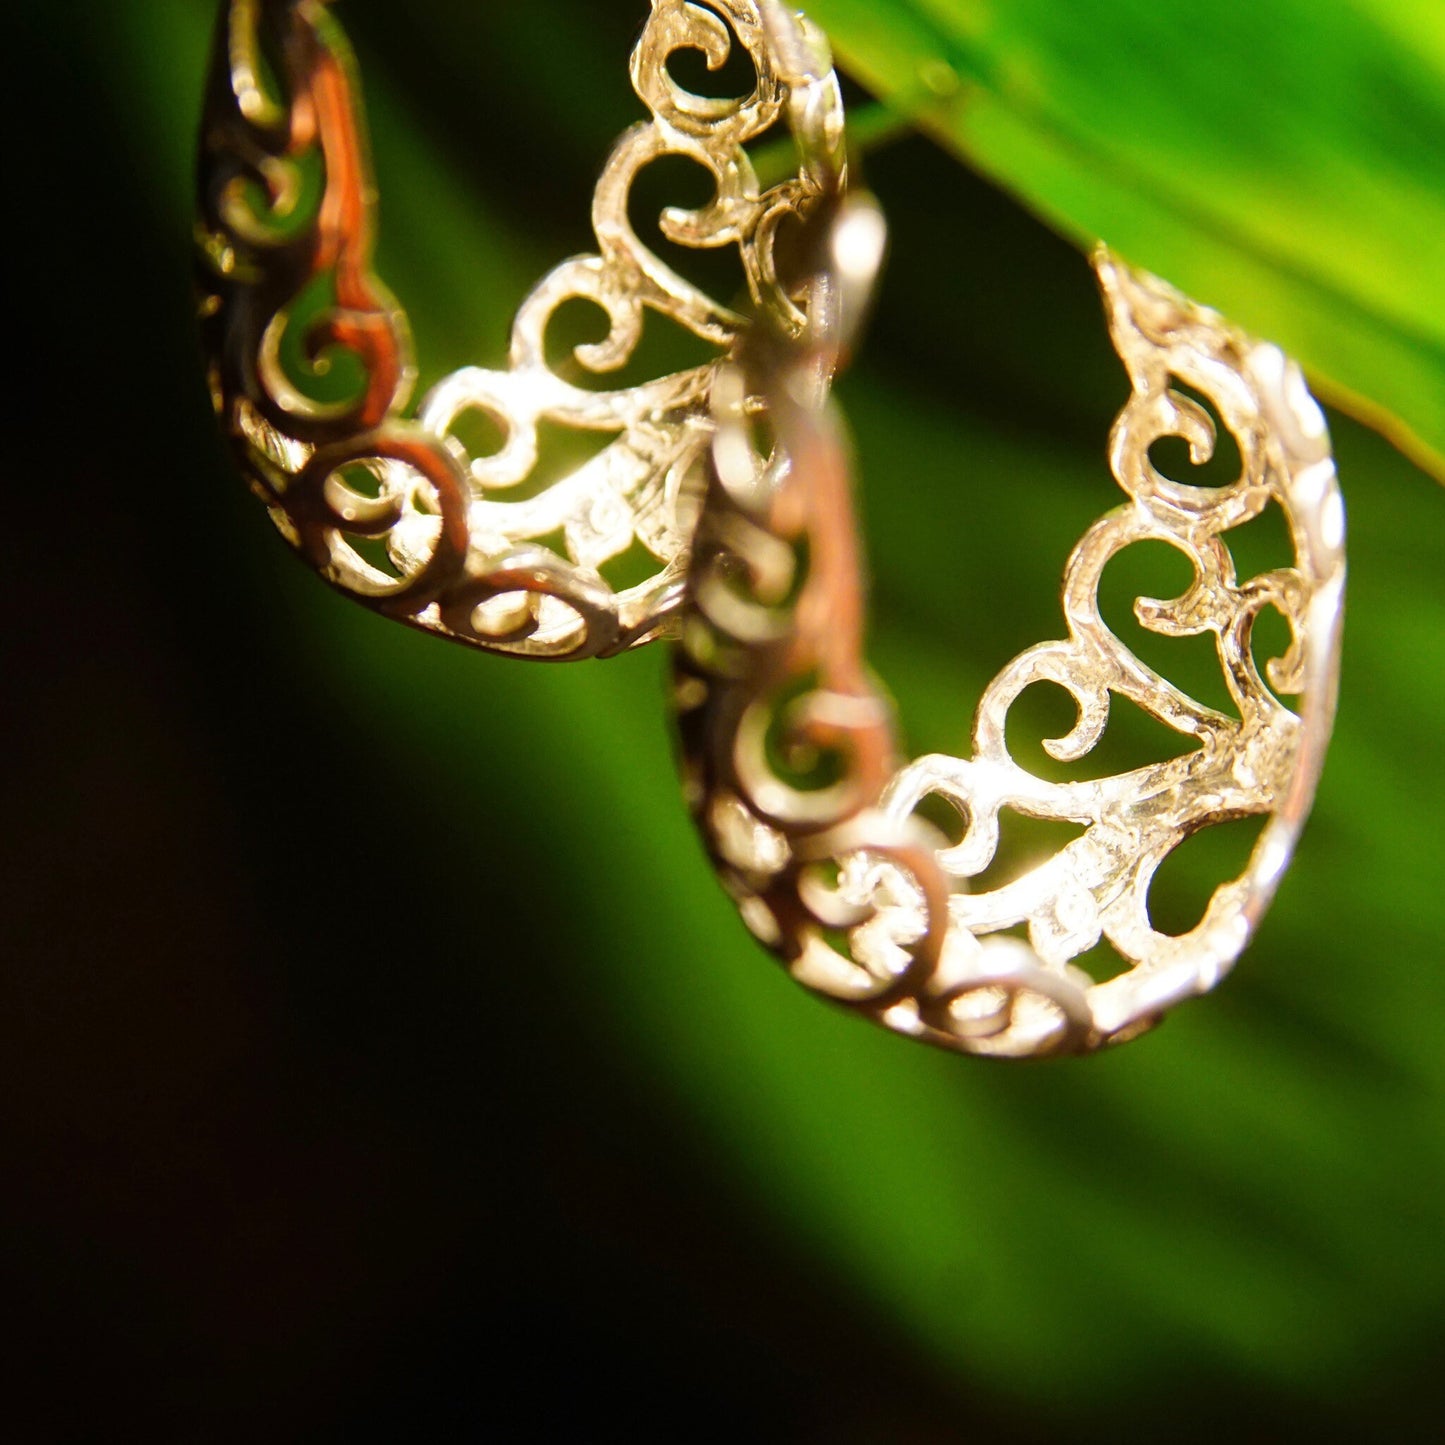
{"points": [[787, 745], [386, 502]]}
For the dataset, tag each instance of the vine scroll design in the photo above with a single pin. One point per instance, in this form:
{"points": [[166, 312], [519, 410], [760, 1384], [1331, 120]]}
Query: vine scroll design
{"points": [[787, 744], [386, 502]]}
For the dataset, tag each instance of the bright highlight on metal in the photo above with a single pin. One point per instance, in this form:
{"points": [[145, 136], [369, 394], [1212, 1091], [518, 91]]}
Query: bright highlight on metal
{"points": [[385, 500], [788, 744]]}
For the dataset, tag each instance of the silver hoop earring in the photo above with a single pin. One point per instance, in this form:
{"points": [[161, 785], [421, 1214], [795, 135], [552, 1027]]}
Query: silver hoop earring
{"points": [[788, 745], [384, 500]]}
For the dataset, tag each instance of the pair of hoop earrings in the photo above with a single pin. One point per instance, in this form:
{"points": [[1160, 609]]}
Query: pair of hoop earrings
{"points": [[787, 743]]}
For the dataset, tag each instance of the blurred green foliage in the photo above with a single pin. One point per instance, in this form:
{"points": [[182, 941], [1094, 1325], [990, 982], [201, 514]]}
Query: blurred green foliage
{"points": [[1251, 1200], [1278, 161]]}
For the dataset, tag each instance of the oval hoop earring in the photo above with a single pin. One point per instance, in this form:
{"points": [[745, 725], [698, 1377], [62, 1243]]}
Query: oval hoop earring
{"points": [[386, 503], [787, 745]]}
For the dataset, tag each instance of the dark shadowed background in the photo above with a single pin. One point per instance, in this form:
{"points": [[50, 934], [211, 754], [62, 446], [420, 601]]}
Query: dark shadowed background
{"points": [[378, 1058]]}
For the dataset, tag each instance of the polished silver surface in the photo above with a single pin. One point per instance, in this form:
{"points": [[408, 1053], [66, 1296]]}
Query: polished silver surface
{"points": [[384, 499], [788, 744]]}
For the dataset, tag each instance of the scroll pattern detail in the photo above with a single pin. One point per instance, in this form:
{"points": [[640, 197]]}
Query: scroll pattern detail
{"points": [[770, 669], [390, 506]]}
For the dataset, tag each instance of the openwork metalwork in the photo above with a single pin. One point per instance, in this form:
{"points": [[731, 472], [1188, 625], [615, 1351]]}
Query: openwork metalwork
{"points": [[788, 746], [386, 502]]}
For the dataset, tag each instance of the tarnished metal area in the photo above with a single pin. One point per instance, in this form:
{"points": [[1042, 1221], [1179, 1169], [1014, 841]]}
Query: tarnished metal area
{"points": [[788, 746], [385, 500]]}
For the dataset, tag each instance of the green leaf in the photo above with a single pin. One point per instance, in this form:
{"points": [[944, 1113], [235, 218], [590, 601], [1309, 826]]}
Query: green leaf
{"points": [[1251, 1200], [1280, 161]]}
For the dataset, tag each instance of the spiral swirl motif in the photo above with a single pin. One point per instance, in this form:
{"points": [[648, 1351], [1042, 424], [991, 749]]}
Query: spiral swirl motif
{"points": [[310, 362], [787, 745]]}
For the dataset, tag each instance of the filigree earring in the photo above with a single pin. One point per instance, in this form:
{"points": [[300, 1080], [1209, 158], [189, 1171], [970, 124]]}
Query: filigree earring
{"points": [[385, 501], [787, 744]]}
